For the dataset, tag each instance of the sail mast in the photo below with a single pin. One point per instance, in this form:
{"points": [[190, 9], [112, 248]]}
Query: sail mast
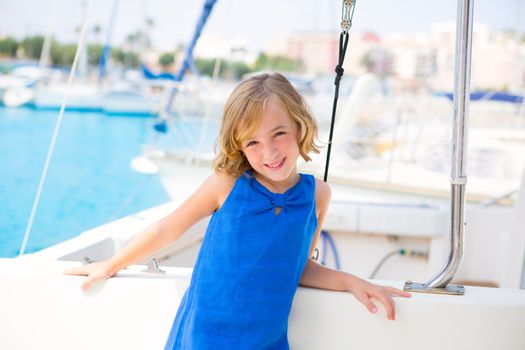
{"points": [[188, 57]]}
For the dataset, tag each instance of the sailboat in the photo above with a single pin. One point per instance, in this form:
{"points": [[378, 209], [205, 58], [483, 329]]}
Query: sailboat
{"points": [[41, 307]]}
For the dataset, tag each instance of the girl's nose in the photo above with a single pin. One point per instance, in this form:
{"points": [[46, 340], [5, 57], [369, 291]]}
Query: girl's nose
{"points": [[270, 150]]}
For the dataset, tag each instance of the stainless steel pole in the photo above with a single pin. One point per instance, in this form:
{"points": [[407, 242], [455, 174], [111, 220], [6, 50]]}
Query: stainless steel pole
{"points": [[459, 143]]}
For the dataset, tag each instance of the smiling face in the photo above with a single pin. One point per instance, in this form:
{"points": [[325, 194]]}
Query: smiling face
{"points": [[272, 149], [249, 137]]}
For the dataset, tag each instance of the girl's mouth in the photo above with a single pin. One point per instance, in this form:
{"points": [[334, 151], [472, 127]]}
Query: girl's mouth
{"points": [[276, 165]]}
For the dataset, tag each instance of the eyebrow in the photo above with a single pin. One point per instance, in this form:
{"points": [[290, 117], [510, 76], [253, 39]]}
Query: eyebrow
{"points": [[252, 138], [279, 127]]}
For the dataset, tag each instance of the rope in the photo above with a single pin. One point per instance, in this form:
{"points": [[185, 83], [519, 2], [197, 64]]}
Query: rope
{"points": [[56, 131], [326, 237], [346, 24]]}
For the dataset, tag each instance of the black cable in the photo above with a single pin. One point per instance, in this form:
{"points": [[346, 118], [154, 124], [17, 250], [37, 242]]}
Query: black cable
{"points": [[343, 43]]}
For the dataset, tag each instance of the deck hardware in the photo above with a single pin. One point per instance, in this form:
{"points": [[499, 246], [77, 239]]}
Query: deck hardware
{"points": [[347, 15], [449, 289], [87, 260], [153, 267], [315, 255]]}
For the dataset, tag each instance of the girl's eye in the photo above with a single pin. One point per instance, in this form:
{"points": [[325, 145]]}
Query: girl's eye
{"points": [[251, 143], [279, 133]]}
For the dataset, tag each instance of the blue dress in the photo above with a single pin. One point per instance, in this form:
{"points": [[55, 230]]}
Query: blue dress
{"points": [[248, 269]]}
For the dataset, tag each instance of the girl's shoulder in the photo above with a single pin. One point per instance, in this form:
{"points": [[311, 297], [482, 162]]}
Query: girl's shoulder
{"points": [[223, 184], [222, 179], [323, 193], [322, 189]]}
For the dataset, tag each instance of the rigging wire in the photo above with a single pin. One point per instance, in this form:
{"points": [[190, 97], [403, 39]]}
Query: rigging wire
{"points": [[56, 130], [346, 24]]}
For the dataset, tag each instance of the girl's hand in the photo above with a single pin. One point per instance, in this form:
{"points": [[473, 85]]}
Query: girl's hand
{"points": [[97, 271], [365, 292]]}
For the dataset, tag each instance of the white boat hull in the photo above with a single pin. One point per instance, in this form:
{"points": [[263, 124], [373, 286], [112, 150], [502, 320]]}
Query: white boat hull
{"points": [[42, 308]]}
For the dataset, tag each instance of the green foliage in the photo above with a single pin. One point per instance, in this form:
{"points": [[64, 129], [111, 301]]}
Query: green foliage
{"points": [[238, 69], [63, 55], [117, 55], [166, 59], [127, 58], [94, 53], [228, 69], [8, 46], [206, 66], [131, 59], [138, 40], [32, 46], [278, 63]]}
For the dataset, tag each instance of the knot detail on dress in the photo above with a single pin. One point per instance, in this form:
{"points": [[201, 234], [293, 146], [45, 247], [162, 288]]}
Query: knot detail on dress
{"points": [[278, 200]]}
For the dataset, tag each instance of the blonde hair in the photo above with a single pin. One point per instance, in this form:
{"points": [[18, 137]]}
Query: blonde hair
{"points": [[242, 114]]}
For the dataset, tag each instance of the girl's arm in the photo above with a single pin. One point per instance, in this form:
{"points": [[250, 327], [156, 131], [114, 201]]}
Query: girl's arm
{"points": [[202, 203], [318, 276]]}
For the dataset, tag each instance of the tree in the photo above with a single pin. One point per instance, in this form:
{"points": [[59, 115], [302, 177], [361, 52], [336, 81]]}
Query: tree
{"points": [[63, 55], [97, 30], [279, 63], [228, 69], [206, 65], [94, 53], [238, 69], [32, 46], [8, 46], [126, 58], [166, 59]]}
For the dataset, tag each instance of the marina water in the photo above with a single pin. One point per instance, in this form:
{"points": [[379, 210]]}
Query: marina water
{"points": [[89, 181]]}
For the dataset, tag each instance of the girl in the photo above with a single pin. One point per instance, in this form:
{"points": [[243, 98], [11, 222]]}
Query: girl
{"points": [[266, 218]]}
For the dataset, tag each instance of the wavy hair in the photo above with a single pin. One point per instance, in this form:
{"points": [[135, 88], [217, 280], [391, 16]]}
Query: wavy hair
{"points": [[242, 114]]}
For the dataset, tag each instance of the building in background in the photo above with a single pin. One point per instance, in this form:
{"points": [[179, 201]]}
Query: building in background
{"points": [[319, 50], [414, 61]]}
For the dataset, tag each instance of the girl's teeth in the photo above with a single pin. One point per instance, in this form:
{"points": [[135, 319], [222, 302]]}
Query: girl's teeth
{"points": [[275, 165]]}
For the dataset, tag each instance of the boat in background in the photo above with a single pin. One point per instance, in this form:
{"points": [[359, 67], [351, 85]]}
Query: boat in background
{"points": [[16, 87]]}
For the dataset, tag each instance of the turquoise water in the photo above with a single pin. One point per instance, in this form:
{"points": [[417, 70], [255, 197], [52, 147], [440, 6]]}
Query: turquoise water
{"points": [[89, 180]]}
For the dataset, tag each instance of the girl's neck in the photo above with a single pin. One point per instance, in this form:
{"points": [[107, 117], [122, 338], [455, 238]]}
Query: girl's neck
{"points": [[278, 186]]}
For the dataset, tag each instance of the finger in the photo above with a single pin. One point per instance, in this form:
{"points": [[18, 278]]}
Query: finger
{"points": [[75, 271], [388, 303], [87, 283], [366, 301], [398, 292]]}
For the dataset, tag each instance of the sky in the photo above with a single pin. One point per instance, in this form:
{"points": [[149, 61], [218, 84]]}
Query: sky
{"points": [[256, 22]]}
